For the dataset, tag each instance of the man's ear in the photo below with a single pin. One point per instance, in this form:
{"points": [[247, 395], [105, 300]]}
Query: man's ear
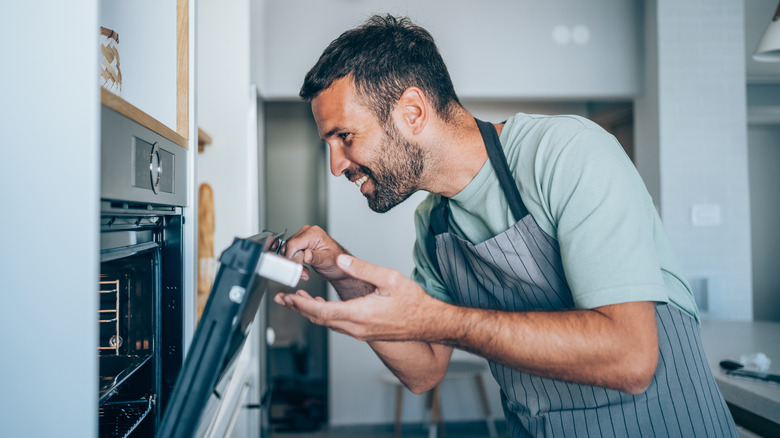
{"points": [[414, 109]]}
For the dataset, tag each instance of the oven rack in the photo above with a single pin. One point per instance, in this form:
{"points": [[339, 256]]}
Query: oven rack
{"points": [[120, 418], [108, 316]]}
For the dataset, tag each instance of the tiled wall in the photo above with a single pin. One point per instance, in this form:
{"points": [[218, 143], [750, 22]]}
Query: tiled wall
{"points": [[696, 128]]}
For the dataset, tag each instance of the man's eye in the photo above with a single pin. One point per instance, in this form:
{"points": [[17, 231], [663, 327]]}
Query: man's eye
{"points": [[344, 136]]}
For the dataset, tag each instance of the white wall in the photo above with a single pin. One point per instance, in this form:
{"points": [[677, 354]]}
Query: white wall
{"points": [[49, 229], [223, 100], [692, 142], [147, 54], [493, 48], [229, 112]]}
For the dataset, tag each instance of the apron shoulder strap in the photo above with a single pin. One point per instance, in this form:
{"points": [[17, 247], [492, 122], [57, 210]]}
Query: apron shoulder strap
{"points": [[438, 225], [498, 161]]}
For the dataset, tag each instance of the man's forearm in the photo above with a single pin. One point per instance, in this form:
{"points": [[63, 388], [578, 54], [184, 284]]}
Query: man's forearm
{"points": [[419, 365], [612, 346]]}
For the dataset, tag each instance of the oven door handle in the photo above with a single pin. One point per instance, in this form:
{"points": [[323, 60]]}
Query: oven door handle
{"points": [[127, 251]]}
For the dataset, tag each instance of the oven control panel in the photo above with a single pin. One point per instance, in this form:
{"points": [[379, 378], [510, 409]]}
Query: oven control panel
{"points": [[153, 167], [138, 165]]}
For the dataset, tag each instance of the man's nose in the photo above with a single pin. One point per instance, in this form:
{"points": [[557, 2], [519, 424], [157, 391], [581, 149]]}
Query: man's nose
{"points": [[339, 163]]}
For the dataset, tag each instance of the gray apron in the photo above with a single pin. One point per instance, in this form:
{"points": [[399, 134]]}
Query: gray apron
{"points": [[521, 270]]}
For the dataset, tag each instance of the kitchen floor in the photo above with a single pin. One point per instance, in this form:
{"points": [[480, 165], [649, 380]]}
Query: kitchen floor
{"points": [[475, 429]]}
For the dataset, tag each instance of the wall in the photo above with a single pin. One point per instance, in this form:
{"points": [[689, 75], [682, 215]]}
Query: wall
{"points": [[229, 112], [49, 264], [764, 154], [692, 123], [494, 48], [229, 164], [147, 54]]}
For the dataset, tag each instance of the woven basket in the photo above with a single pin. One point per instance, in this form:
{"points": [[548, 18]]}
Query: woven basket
{"points": [[110, 74]]}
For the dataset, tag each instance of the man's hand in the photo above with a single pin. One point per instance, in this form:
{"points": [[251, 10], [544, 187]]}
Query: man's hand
{"points": [[311, 245], [394, 312]]}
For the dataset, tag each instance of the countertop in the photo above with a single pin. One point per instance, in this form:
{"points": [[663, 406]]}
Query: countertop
{"points": [[731, 339]]}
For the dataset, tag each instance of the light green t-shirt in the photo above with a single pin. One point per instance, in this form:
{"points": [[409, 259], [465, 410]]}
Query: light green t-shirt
{"points": [[582, 190]]}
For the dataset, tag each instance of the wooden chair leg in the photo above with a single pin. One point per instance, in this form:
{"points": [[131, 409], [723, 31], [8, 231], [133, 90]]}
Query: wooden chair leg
{"points": [[399, 399], [435, 414], [486, 407]]}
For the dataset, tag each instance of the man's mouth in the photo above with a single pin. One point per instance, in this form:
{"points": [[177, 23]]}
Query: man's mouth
{"points": [[359, 182]]}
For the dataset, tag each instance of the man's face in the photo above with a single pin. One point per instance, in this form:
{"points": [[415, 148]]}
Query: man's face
{"points": [[384, 165]]}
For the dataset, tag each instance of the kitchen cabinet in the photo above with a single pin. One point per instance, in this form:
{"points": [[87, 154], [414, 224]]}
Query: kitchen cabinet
{"points": [[543, 47], [153, 47], [157, 65]]}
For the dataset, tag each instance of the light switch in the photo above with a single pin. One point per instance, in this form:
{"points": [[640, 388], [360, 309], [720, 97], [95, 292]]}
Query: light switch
{"points": [[705, 215]]}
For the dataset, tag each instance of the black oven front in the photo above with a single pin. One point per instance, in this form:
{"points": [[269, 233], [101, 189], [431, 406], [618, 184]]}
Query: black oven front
{"points": [[140, 315]]}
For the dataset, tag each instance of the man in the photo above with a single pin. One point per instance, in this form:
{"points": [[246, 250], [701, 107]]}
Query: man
{"points": [[538, 248]]}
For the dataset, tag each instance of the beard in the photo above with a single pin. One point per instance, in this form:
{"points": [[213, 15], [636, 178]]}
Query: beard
{"points": [[395, 172]]}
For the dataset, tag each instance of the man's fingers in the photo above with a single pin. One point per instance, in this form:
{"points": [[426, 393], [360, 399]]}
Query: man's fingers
{"points": [[317, 310], [304, 273]]}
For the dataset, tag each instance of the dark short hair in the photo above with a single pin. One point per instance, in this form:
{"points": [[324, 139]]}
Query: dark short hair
{"points": [[385, 56]]}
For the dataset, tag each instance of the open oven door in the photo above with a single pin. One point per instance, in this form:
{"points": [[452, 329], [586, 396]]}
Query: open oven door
{"points": [[215, 370]]}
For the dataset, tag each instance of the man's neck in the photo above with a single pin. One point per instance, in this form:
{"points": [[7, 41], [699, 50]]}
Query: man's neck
{"points": [[456, 154]]}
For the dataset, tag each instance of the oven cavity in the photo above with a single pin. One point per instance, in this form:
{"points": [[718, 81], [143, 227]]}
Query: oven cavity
{"points": [[129, 319]]}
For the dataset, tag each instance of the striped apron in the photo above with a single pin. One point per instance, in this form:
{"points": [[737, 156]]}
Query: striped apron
{"points": [[521, 270]]}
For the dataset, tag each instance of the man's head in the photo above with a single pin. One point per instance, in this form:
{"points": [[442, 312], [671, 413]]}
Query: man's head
{"points": [[370, 79], [386, 166], [384, 57]]}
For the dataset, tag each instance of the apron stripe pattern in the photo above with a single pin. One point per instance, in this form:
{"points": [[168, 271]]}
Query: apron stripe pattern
{"points": [[521, 270]]}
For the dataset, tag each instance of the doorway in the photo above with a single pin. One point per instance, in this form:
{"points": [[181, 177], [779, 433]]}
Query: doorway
{"points": [[297, 353], [763, 160]]}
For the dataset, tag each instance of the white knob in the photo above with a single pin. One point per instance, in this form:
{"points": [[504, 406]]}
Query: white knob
{"points": [[270, 336], [279, 269]]}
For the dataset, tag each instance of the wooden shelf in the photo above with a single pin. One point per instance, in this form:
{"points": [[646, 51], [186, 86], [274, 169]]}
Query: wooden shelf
{"points": [[203, 140], [123, 107]]}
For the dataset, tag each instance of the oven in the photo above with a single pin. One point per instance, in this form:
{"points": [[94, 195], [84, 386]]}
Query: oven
{"points": [[140, 289]]}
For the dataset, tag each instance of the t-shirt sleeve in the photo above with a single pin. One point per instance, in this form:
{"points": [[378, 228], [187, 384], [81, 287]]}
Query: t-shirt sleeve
{"points": [[424, 272], [604, 220]]}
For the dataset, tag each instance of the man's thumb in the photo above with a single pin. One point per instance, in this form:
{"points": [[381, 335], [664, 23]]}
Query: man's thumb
{"points": [[359, 269]]}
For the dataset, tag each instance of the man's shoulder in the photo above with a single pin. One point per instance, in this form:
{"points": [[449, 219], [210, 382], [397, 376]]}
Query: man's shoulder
{"points": [[522, 126], [537, 139]]}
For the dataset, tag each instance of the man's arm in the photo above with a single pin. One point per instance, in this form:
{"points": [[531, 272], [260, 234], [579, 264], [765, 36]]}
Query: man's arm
{"points": [[612, 346], [419, 365]]}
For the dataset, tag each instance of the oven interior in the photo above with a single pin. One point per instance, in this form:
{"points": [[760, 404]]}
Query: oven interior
{"points": [[131, 380]]}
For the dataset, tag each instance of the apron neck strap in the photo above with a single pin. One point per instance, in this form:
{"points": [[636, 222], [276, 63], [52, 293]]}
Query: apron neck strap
{"points": [[498, 161]]}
